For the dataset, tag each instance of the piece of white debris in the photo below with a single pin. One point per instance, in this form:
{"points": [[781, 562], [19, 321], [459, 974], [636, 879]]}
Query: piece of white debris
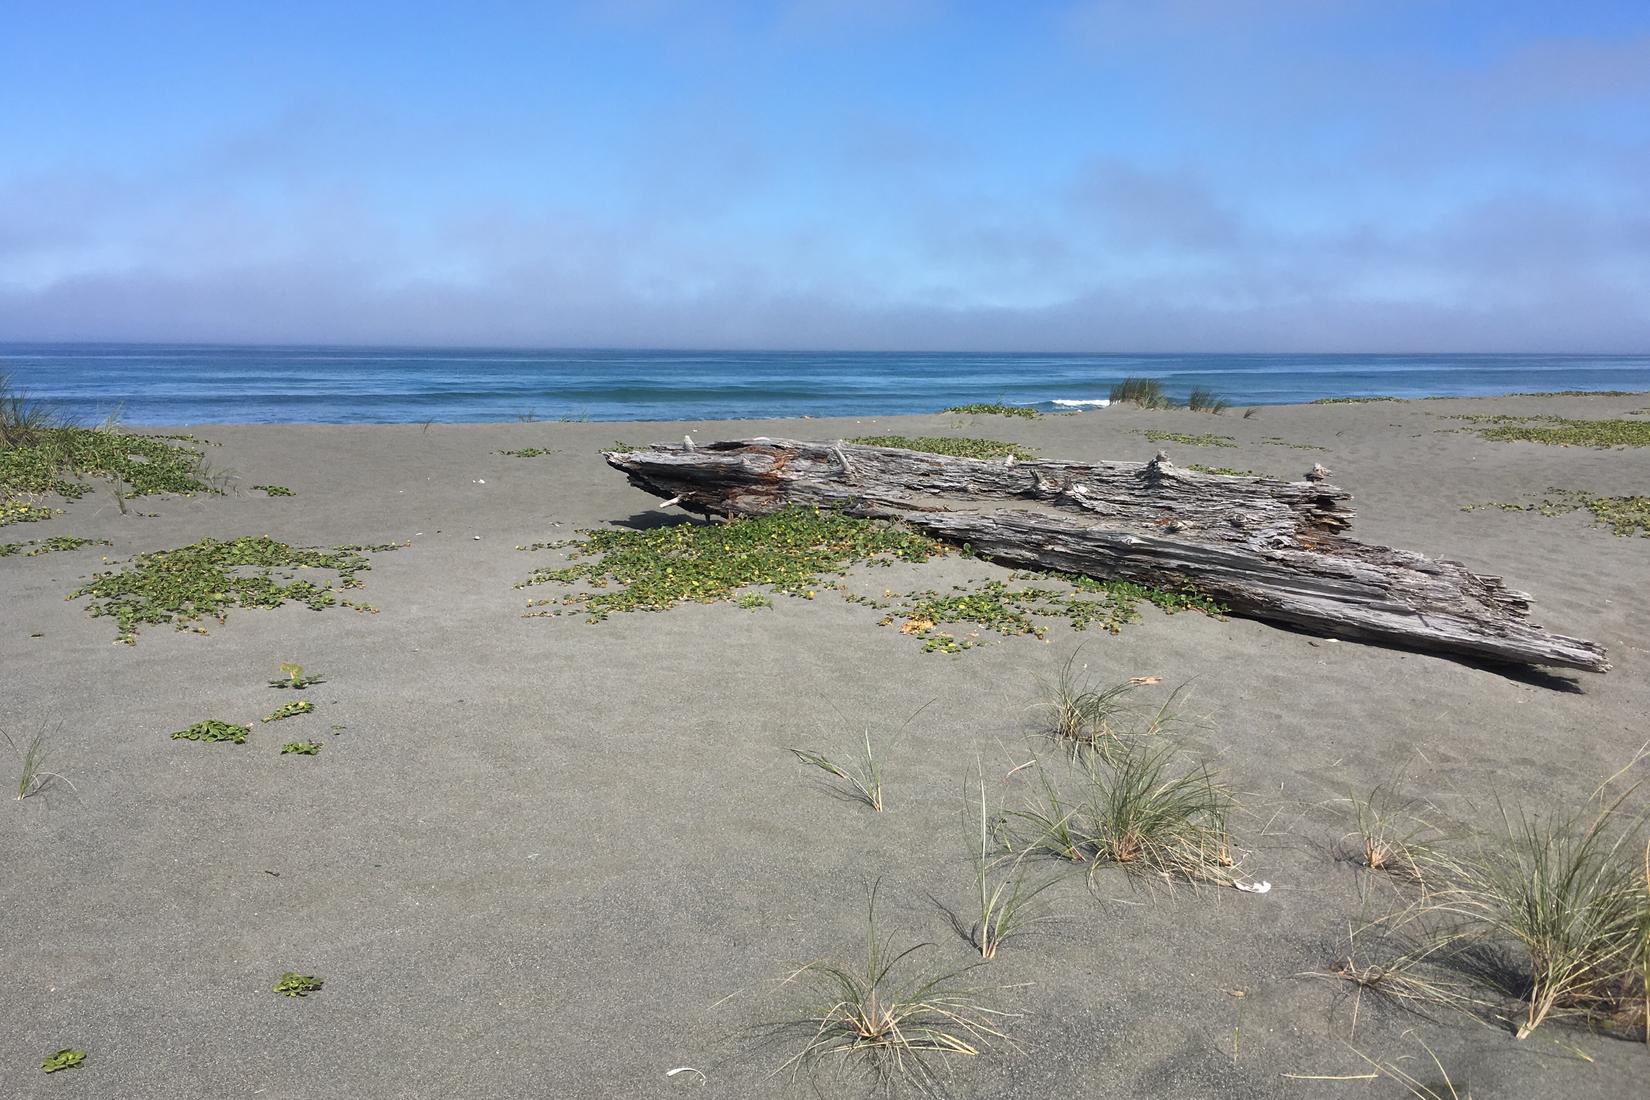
{"points": [[481, 481], [687, 1069], [1254, 887], [476, 537]]}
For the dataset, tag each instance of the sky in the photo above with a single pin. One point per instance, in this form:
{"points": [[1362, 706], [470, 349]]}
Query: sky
{"points": [[1093, 175]]}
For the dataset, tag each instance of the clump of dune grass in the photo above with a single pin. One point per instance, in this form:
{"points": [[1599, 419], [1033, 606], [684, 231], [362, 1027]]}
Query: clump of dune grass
{"points": [[1405, 970], [1149, 812], [22, 420], [1565, 896], [1391, 833], [33, 777], [1077, 712], [1145, 392], [1205, 400], [1048, 822], [1003, 894], [860, 775], [873, 1022], [1551, 912]]}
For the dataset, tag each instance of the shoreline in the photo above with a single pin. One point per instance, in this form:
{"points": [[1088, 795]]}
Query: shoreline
{"points": [[987, 418]]}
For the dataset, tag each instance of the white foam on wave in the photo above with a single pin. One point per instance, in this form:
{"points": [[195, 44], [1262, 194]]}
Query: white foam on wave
{"points": [[1074, 403]]}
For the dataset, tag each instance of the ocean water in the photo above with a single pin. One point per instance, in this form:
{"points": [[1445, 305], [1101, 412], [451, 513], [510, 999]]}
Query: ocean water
{"points": [[154, 384]]}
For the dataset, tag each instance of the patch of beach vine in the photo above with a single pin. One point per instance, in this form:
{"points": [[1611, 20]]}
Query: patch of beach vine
{"points": [[21, 511], [1626, 516], [794, 552], [1083, 602], [275, 490], [955, 447], [995, 408], [56, 460], [207, 578], [1350, 400], [1223, 471], [55, 544], [289, 710], [1578, 393], [1205, 440], [1559, 431], [788, 552], [211, 731]]}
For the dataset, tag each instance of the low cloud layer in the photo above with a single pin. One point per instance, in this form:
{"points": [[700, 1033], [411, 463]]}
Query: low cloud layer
{"points": [[1309, 178]]}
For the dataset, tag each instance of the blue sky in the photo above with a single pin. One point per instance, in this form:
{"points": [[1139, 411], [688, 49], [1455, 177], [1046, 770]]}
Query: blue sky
{"points": [[1110, 176]]}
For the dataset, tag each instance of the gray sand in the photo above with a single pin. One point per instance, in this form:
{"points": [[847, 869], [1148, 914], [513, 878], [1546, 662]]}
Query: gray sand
{"points": [[552, 859]]}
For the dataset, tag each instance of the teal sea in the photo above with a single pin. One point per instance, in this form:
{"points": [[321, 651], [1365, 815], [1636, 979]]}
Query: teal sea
{"points": [[155, 384]]}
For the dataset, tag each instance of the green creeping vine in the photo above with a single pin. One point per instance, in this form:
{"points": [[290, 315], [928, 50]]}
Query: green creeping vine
{"points": [[48, 546], [67, 1058], [791, 552], [212, 731], [995, 408], [185, 585], [787, 551], [1559, 431], [18, 511], [289, 710], [961, 447], [1204, 440], [276, 490], [293, 984], [1626, 516], [1012, 612], [52, 460], [301, 748]]}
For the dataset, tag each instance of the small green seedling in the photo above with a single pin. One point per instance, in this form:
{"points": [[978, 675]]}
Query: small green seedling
{"points": [[66, 1058], [293, 984], [301, 748], [212, 731], [294, 677], [289, 710]]}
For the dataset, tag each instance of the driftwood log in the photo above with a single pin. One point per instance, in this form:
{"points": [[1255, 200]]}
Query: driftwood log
{"points": [[1270, 550]]}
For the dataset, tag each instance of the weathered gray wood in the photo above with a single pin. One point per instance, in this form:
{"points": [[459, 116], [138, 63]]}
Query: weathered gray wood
{"points": [[1269, 550]]}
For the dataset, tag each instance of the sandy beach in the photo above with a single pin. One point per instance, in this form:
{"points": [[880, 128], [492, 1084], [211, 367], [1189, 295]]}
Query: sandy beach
{"points": [[540, 857]]}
